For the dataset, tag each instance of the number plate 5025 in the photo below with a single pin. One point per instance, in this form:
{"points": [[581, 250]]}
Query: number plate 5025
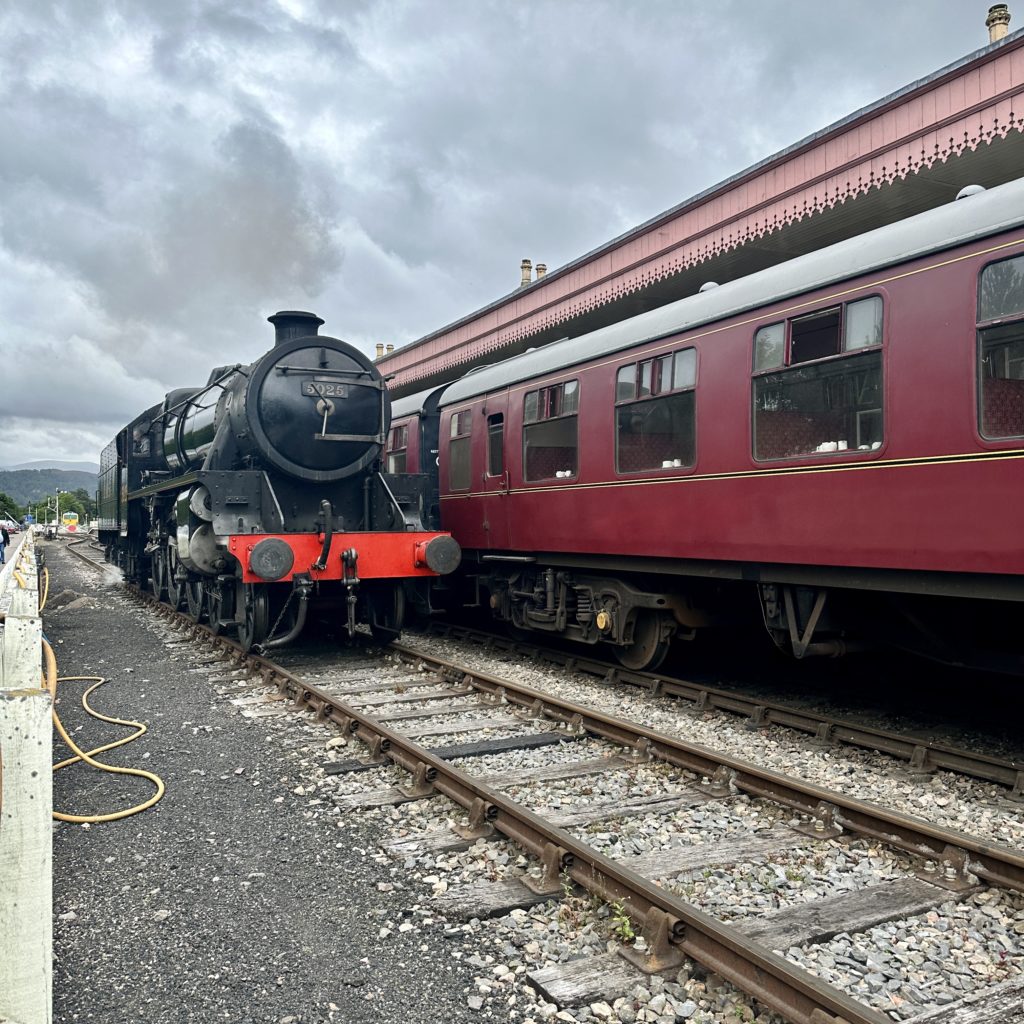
{"points": [[324, 389]]}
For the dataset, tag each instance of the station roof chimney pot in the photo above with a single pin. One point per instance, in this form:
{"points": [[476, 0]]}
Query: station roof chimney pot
{"points": [[526, 266], [542, 269], [380, 350], [998, 22], [390, 349]]}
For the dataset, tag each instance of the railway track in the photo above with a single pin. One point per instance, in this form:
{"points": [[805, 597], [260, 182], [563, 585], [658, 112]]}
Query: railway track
{"points": [[401, 705], [921, 756], [80, 548]]}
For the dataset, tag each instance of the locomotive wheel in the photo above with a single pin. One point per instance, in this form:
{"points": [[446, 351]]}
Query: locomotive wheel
{"points": [[213, 598], [175, 587], [255, 618], [387, 610], [157, 575], [648, 650], [194, 587]]}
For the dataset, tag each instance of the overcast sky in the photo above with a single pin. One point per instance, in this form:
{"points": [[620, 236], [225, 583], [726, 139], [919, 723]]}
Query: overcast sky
{"points": [[174, 171]]}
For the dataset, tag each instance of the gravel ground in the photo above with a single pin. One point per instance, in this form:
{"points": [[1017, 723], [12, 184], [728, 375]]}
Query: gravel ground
{"points": [[229, 900]]}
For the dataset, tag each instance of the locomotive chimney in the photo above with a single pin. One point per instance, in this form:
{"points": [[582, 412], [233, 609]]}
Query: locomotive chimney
{"points": [[542, 269], [380, 350], [997, 22], [293, 323], [526, 266]]}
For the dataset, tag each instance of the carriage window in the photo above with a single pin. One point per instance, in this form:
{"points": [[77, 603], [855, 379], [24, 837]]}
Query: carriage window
{"points": [[550, 439], [495, 444], [827, 397], [769, 347], [814, 336], [1001, 349], [398, 441], [625, 383], [863, 326], [459, 451], [1001, 289], [656, 414]]}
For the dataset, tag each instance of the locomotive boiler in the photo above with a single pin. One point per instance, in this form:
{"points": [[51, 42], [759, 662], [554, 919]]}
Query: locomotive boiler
{"points": [[261, 494]]}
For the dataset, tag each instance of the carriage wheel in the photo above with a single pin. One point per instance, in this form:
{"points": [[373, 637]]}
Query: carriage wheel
{"points": [[255, 618], [175, 587], [648, 649], [194, 602]]}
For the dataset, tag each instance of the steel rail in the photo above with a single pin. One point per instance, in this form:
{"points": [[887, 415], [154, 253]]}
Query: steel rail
{"points": [[1000, 865], [670, 924], [922, 755], [74, 545]]}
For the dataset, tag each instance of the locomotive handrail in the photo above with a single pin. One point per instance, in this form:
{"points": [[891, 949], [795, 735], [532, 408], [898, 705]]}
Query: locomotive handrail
{"points": [[218, 383], [394, 500], [327, 371]]}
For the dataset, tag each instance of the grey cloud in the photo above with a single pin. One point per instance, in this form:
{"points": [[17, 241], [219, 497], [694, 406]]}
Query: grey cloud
{"points": [[174, 172]]}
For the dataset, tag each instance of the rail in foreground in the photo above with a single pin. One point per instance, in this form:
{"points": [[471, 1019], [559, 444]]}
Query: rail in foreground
{"points": [[672, 928], [921, 756], [79, 548]]}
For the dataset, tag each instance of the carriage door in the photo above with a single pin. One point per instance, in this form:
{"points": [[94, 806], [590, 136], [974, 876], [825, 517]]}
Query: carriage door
{"points": [[496, 481]]}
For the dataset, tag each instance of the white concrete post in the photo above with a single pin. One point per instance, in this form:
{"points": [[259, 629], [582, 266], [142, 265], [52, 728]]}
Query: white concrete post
{"points": [[26, 856], [26, 805]]}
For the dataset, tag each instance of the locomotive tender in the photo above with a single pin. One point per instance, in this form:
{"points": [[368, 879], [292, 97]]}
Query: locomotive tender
{"points": [[260, 493], [833, 443]]}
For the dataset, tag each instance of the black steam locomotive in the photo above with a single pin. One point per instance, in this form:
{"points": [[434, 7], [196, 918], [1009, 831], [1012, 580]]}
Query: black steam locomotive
{"points": [[261, 493]]}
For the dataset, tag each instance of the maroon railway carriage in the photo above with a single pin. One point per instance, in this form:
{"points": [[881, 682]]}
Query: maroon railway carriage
{"points": [[838, 437]]}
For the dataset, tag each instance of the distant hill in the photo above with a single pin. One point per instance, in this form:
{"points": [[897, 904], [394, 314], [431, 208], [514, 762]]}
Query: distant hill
{"points": [[30, 485], [80, 467]]}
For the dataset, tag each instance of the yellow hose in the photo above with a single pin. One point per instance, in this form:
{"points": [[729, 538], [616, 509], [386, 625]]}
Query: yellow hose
{"points": [[50, 682], [46, 588]]}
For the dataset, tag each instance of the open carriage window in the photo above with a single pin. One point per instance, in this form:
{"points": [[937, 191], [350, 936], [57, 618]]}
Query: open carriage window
{"points": [[817, 384]]}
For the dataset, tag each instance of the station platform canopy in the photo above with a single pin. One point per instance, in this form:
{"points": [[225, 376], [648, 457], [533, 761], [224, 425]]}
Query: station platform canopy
{"points": [[910, 151]]}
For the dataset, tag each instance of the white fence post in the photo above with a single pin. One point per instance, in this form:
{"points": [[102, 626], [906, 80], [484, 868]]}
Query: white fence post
{"points": [[26, 801]]}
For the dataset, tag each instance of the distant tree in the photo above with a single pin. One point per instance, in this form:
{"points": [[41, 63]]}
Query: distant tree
{"points": [[9, 508], [86, 501]]}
